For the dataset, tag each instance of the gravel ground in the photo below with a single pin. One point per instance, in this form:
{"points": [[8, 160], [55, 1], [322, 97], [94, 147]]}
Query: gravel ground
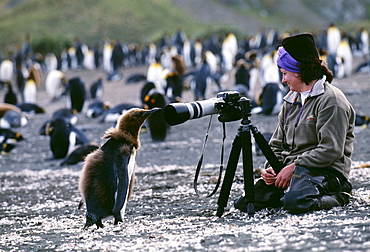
{"points": [[39, 198]]}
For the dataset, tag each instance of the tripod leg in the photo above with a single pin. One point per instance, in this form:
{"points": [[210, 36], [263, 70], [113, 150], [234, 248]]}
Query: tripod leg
{"points": [[266, 150], [248, 170], [229, 176]]}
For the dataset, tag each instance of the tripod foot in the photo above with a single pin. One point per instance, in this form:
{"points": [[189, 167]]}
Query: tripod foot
{"points": [[220, 211], [250, 209]]}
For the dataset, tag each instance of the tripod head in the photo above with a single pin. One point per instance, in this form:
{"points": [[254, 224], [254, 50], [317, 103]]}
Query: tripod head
{"points": [[233, 107]]}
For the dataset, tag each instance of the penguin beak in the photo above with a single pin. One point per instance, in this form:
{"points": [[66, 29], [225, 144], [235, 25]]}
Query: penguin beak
{"points": [[149, 112]]}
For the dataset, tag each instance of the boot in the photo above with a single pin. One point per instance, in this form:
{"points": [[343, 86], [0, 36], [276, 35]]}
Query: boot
{"points": [[327, 202]]}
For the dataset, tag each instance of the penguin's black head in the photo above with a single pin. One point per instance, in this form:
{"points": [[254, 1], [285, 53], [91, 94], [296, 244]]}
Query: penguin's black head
{"points": [[132, 120], [18, 137], [155, 100], [6, 148], [58, 123]]}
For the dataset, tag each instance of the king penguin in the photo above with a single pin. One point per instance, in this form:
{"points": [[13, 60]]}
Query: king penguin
{"points": [[55, 84], [11, 116], [77, 93], [10, 97], [29, 92], [64, 137], [106, 180]]}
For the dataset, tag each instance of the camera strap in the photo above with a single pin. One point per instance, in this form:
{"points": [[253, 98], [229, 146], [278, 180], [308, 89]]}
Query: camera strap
{"points": [[199, 166]]}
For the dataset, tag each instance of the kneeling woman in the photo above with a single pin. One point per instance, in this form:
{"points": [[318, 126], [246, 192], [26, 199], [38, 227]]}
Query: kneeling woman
{"points": [[313, 139]]}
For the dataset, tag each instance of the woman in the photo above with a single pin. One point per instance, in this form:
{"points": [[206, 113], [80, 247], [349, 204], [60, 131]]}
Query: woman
{"points": [[313, 139]]}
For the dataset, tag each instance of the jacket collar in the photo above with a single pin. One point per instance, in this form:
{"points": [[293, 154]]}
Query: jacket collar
{"points": [[316, 90]]}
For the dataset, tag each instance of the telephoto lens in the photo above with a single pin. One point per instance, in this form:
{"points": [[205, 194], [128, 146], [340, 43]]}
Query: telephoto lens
{"points": [[176, 113]]}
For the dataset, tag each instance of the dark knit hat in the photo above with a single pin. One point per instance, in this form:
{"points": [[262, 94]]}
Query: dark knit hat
{"points": [[300, 46]]}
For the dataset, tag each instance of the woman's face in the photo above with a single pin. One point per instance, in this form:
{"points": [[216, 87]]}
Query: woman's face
{"points": [[293, 81]]}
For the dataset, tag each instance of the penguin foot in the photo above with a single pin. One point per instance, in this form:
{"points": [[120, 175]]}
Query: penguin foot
{"points": [[91, 219], [117, 218], [99, 224], [116, 221]]}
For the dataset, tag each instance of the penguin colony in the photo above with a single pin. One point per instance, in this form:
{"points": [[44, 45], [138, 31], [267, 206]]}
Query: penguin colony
{"points": [[174, 64]]}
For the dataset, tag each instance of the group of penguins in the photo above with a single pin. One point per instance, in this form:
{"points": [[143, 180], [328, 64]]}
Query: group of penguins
{"points": [[106, 181]]}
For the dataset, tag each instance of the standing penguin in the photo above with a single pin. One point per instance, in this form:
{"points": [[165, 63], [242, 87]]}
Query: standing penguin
{"points": [[156, 74], [157, 124], [106, 180], [228, 50], [77, 93], [333, 39], [344, 52], [6, 70], [29, 91], [201, 81], [10, 97], [55, 83], [51, 62], [96, 89]]}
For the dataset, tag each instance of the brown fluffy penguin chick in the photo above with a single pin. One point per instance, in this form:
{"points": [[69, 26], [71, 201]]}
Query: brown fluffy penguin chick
{"points": [[107, 172]]}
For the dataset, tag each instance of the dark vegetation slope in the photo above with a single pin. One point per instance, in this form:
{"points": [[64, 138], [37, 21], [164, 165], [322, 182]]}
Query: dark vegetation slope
{"points": [[57, 22]]}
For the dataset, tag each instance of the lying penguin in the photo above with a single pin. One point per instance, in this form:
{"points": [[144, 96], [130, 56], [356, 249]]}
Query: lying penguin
{"points": [[64, 137], [106, 180]]}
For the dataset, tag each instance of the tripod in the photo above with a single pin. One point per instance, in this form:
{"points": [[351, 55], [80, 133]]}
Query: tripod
{"points": [[242, 143]]}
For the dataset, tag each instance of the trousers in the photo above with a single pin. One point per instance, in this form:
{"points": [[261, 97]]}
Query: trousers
{"points": [[310, 189]]}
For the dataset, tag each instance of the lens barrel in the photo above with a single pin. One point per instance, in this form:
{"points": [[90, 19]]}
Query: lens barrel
{"points": [[176, 113]]}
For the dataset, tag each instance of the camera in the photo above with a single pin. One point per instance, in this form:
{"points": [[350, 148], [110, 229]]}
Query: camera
{"points": [[227, 104]]}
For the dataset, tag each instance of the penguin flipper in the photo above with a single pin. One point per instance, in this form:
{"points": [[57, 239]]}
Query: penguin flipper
{"points": [[123, 183], [81, 138]]}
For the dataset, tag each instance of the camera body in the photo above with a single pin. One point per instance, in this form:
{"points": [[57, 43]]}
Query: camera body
{"points": [[227, 104]]}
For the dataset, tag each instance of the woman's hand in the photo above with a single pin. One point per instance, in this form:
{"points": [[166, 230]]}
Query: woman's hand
{"points": [[284, 176], [269, 176], [282, 180]]}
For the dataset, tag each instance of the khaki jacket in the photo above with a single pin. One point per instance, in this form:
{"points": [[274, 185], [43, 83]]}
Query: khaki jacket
{"points": [[318, 135]]}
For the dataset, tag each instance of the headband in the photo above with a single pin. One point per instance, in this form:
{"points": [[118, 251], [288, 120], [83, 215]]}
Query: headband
{"points": [[286, 61]]}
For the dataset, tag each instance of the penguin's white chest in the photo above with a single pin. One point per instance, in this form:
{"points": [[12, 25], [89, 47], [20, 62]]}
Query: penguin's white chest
{"points": [[131, 164], [130, 168]]}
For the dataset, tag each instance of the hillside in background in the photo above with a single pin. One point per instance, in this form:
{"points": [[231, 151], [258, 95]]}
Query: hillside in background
{"points": [[145, 20]]}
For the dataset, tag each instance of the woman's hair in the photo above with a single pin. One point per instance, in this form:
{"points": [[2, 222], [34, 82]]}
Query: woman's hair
{"points": [[313, 69]]}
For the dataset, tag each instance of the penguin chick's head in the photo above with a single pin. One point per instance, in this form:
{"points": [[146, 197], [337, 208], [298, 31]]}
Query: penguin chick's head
{"points": [[132, 120]]}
